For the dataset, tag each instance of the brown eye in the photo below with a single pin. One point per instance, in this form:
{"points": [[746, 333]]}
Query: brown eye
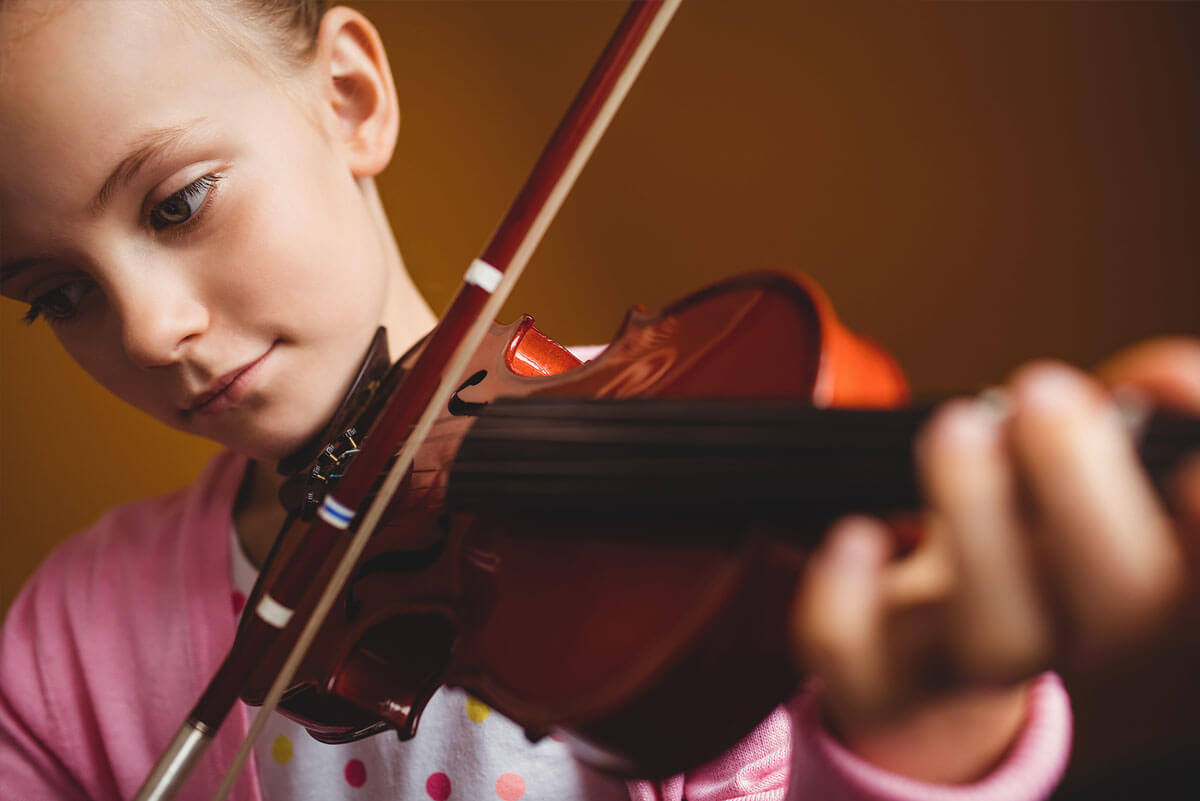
{"points": [[173, 210], [181, 206], [58, 304]]}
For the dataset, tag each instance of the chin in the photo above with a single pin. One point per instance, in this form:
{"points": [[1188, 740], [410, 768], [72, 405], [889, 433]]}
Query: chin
{"points": [[265, 446], [276, 449]]}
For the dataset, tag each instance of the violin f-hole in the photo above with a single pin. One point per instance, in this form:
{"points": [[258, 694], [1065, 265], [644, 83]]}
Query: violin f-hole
{"points": [[461, 408]]}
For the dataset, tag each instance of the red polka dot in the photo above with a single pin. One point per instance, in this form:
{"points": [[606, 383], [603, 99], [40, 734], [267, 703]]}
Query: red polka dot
{"points": [[239, 602], [356, 773], [438, 786], [510, 787]]}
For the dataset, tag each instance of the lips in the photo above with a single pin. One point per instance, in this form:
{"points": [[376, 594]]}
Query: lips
{"points": [[221, 385], [227, 389]]}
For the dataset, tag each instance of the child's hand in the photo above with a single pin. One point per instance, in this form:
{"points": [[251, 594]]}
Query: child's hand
{"points": [[1044, 546]]}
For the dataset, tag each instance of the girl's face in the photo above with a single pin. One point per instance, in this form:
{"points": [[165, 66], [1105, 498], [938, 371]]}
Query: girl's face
{"points": [[184, 222]]}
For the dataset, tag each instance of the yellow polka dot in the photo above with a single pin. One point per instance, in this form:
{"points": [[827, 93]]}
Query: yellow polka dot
{"points": [[281, 749], [477, 710]]}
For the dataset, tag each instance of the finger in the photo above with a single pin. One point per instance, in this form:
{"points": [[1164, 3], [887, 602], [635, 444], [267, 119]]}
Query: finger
{"points": [[1000, 630], [838, 617], [1107, 540], [925, 575], [1168, 369]]}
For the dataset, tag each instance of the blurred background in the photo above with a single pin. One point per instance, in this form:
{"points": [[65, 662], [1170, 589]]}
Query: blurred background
{"points": [[974, 185]]}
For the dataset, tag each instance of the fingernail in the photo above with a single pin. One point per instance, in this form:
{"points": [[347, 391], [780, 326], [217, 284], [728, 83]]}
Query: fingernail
{"points": [[854, 545], [969, 423], [995, 401], [1133, 405], [1053, 389]]}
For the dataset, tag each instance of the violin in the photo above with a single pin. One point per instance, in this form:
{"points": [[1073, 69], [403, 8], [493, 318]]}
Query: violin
{"points": [[604, 632], [466, 474], [588, 548]]}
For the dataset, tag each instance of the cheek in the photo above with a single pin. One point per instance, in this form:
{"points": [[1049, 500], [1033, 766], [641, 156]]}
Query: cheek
{"points": [[99, 353], [316, 262]]}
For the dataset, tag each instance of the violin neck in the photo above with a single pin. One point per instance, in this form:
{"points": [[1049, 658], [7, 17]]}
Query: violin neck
{"points": [[780, 464]]}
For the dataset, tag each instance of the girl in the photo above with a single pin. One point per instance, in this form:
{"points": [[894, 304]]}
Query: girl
{"points": [[214, 252]]}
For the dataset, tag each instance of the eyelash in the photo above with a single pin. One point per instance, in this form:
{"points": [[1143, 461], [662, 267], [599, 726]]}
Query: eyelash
{"points": [[42, 306], [202, 186]]}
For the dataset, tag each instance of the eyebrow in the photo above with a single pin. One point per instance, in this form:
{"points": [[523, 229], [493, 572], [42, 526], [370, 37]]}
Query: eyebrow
{"points": [[148, 146]]}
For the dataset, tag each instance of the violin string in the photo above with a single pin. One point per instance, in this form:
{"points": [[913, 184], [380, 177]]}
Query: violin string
{"points": [[683, 458], [673, 457]]}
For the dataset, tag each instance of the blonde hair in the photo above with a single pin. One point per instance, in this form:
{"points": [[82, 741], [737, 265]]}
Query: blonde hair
{"points": [[284, 31], [291, 26], [268, 33]]}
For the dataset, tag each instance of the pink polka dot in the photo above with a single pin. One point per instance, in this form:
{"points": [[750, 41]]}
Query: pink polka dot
{"points": [[510, 787], [356, 773], [239, 602], [438, 786]]}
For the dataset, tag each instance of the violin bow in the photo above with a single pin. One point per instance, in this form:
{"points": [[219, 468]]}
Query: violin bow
{"points": [[424, 390]]}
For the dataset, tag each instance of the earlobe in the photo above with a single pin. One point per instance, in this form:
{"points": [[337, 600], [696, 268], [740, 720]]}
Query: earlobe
{"points": [[359, 90]]}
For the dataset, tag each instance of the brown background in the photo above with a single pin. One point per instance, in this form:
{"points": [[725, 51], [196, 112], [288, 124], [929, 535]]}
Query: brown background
{"points": [[974, 184]]}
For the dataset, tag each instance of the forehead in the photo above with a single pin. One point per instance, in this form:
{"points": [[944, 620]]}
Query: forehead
{"points": [[82, 82]]}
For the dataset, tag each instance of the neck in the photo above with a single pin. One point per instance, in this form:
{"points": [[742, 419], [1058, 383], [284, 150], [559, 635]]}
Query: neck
{"points": [[406, 315], [722, 463], [258, 515]]}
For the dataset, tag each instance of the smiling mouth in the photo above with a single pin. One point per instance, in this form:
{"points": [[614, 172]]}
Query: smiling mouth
{"points": [[208, 397], [227, 389]]}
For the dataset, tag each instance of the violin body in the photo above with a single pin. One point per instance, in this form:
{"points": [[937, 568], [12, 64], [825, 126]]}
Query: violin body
{"points": [[606, 633]]}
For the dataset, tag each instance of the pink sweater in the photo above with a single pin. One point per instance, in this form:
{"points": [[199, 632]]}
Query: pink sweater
{"points": [[112, 641]]}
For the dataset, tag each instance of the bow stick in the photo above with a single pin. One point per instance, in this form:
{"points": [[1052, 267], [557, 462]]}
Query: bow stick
{"points": [[425, 389]]}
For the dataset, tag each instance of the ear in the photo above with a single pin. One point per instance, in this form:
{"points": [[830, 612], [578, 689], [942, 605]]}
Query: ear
{"points": [[358, 90]]}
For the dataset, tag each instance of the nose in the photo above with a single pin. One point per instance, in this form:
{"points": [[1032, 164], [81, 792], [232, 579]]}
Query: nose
{"points": [[159, 316]]}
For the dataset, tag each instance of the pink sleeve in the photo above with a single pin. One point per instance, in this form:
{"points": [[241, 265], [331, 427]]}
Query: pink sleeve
{"points": [[823, 768], [758, 768], [29, 731], [85, 704]]}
